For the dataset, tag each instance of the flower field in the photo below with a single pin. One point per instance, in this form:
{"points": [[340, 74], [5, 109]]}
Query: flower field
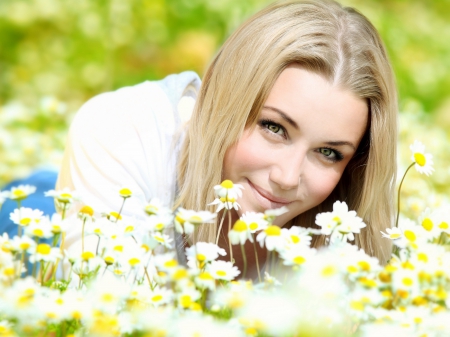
{"points": [[127, 278]]}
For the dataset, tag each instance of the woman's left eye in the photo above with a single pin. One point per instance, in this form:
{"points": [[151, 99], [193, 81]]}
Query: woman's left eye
{"points": [[331, 154]]}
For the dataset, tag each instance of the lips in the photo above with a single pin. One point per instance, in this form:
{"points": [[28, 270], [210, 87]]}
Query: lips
{"points": [[266, 199]]}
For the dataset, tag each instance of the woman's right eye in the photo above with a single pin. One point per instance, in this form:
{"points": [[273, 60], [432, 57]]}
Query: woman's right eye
{"points": [[273, 127]]}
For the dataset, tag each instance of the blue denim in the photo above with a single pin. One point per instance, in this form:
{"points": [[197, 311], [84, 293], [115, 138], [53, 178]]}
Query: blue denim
{"points": [[44, 180]]}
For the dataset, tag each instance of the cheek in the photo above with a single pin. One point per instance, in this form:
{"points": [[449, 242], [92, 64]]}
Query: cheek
{"points": [[244, 156], [321, 184]]}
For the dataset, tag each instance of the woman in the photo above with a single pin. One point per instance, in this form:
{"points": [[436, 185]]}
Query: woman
{"points": [[299, 106]]}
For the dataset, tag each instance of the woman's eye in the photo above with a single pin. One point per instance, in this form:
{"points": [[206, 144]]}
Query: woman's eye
{"points": [[331, 154], [273, 127], [326, 152]]}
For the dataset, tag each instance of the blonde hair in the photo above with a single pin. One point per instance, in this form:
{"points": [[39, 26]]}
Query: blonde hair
{"points": [[323, 37]]}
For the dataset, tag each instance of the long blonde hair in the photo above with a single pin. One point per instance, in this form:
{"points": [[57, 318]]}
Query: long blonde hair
{"points": [[323, 37]]}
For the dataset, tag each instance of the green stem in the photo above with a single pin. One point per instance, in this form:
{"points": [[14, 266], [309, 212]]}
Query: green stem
{"points": [[220, 226], [399, 188], [256, 258], [63, 215], [229, 241], [82, 236], [120, 211], [244, 257]]}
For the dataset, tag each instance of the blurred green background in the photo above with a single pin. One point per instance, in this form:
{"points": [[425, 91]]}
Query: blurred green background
{"points": [[56, 54]]}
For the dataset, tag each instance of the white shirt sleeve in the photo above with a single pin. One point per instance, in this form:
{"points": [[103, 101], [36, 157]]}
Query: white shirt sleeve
{"points": [[126, 138]]}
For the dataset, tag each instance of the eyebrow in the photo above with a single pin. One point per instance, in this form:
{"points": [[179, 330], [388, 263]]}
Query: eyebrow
{"points": [[295, 125], [283, 115]]}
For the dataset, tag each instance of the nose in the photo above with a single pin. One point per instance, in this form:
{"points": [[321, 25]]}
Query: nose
{"points": [[287, 172]]}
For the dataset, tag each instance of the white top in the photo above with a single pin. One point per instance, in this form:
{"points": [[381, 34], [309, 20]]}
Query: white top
{"points": [[127, 138]]}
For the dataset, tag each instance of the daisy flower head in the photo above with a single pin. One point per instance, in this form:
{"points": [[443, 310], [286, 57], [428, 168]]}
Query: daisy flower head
{"points": [[25, 216], [423, 161], [44, 252], [255, 221], [223, 270], [125, 192], [271, 214], [240, 233], [271, 237], [156, 207], [41, 230], [21, 192], [86, 213], [64, 196], [187, 220], [202, 253], [226, 194]]}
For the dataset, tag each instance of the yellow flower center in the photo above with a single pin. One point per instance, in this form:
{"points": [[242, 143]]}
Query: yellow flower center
{"points": [[221, 273], [295, 238], [227, 184], [43, 249], [329, 271], [420, 159], [352, 269], [171, 263], [8, 272], [180, 274], [118, 248], [407, 281], [240, 226], [25, 221], [410, 235], [357, 305], [19, 194], [201, 257], [38, 232], [107, 297], [125, 193], [394, 236], [157, 298], [129, 229], [443, 225], [116, 215], [185, 301], [364, 265], [109, 260], [159, 226], [87, 256], [24, 245], [65, 195], [205, 276], [195, 219], [253, 226], [151, 209], [133, 261], [427, 224], [179, 219], [299, 260], [422, 257], [87, 210], [273, 231]]}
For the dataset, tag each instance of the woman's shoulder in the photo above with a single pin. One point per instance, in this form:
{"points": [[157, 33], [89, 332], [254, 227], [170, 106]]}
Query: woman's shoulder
{"points": [[163, 100]]}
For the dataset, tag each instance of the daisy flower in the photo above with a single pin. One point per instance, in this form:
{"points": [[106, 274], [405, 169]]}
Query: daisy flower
{"points": [[423, 161], [297, 235], [297, 256], [204, 280], [160, 296], [156, 207], [255, 221], [44, 252], [24, 216], [271, 237], [271, 214], [64, 196], [227, 193], [186, 220], [202, 253], [42, 229], [187, 297], [125, 192], [223, 270], [21, 192], [86, 213], [393, 233], [162, 239], [159, 222], [240, 233], [23, 243]]}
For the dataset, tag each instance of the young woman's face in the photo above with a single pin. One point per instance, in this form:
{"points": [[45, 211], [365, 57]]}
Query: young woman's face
{"points": [[306, 134]]}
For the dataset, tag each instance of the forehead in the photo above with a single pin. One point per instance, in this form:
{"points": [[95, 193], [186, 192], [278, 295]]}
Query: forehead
{"points": [[316, 104]]}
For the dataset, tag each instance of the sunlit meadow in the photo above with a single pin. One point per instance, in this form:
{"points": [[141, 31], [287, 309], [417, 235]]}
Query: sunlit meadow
{"points": [[129, 282]]}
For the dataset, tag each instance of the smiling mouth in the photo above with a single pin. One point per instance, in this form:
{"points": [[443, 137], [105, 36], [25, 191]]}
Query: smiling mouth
{"points": [[267, 200]]}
